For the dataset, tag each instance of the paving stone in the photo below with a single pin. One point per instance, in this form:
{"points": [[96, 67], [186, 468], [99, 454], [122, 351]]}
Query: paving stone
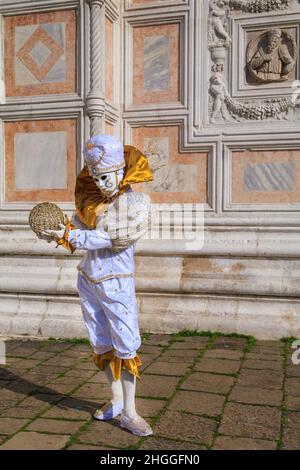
{"points": [[186, 353], [108, 432], [56, 426], [267, 379], [87, 447], [40, 401], [67, 413], [292, 386], [147, 407], [67, 381], [99, 378], [186, 427], [292, 420], [82, 374], [42, 355], [70, 353], [267, 352], [242, 443], [167, 358], [250, 421], [156, 386], [153, 443], [11, 395], [43, 369], [224, 342], [293, 370], [11, 425], [188, 345], [256, 396], [64, 389], [215, 383], [62, 361], [19, 412], [268, 344], [221, 366], [259, 364], [291, 434], [26, 363], [165, 368], [85, 365], [236, 355], [21, 386], [150, 349], [195, 339], [81, 347], [57, 346], [198, 402], [35, 441], [270, 356], [292, 403], [157, 339], [91, 390]]}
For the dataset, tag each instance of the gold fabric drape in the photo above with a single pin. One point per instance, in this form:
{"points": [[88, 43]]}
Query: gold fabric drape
{"points": [[88, 199], [117, 364]]}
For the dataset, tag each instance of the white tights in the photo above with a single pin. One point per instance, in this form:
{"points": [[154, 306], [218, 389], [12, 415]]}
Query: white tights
{"points": [[123, 390]]}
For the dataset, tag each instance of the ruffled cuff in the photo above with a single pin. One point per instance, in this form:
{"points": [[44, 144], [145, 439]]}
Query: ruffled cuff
{"points": [[117, 364], [64, 241]]}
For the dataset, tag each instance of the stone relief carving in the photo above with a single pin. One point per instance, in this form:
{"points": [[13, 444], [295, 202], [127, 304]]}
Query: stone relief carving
{"points": [[282, 61], [259, 6], [271, 56], [218, 23], [219, 92]]}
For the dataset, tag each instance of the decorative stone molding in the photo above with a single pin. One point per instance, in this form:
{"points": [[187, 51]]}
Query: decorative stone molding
{"points": [[221, 103], [95, 102]]}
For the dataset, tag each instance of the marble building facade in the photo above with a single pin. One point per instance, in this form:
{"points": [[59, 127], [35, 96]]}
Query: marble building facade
{"points": [[211, 90]]}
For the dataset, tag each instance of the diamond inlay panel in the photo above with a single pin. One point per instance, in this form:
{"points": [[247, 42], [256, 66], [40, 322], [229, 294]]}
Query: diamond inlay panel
{"points": [[40, 53]]}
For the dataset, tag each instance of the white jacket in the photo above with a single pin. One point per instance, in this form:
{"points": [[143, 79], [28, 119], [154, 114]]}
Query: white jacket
{"points": [[110, 247]]}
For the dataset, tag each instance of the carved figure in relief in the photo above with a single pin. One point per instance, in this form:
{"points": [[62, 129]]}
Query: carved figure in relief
{"points": [[271, 56], [218, 92], [218, 11]]}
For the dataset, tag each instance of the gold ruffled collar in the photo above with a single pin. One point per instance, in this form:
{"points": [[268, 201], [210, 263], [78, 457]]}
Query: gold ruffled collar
{"points": [[88, 200]]}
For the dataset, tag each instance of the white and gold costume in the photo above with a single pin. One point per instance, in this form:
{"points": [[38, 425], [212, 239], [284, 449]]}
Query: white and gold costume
{"points": [[109, 220]]}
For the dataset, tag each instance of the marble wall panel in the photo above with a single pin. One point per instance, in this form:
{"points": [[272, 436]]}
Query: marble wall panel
{"points": [[268, 176], [178, 177], [40, 53], [156, 64], [40, 160]]}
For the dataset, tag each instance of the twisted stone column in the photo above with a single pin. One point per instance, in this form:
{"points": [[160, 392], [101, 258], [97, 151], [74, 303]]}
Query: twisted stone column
{"points": [[95, 102]]}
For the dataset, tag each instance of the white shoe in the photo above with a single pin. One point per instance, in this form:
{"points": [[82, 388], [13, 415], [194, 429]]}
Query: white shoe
{"points": [[136, 424], [108, 411]]}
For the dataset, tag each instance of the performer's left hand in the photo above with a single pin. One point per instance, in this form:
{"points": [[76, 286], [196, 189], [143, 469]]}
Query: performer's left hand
{"points": [[56, 235]]}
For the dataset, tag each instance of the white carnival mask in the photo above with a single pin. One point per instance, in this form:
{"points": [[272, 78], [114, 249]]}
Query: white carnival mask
{"points": [[108, 183]]}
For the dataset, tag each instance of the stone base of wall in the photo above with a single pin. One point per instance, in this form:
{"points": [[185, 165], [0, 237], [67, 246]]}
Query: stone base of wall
{"points": [[245, 283]]}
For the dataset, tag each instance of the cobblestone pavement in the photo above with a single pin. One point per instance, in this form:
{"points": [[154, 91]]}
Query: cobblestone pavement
{"points": [[198, 392]]}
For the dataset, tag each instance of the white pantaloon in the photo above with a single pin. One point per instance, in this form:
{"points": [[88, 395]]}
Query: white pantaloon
{"points": [[110, 315]]}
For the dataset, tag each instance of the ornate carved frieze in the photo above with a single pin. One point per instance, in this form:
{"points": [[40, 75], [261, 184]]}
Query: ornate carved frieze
{"points": [[259, 6], [270, 57]]}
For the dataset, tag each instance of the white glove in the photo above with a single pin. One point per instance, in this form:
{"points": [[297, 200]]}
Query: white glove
{"points": [[51, 235]]}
